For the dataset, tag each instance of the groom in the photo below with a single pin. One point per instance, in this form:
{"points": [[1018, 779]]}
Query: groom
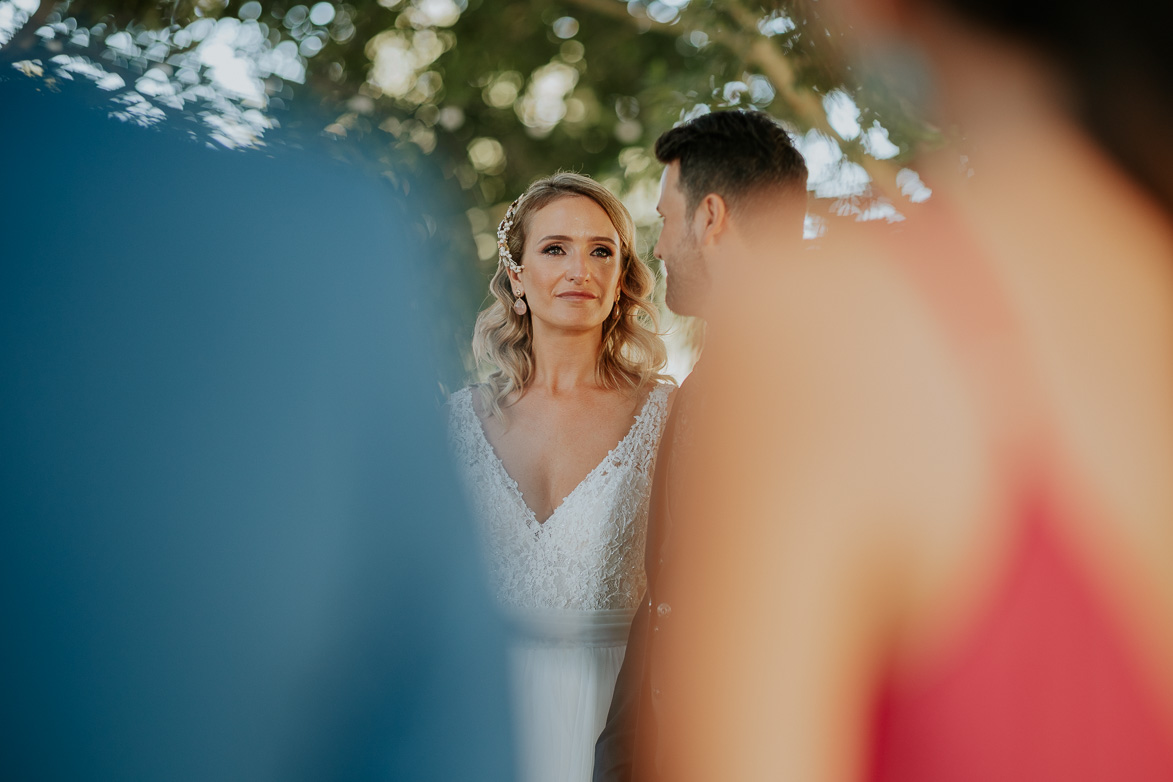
{"points": [[732, 180]]}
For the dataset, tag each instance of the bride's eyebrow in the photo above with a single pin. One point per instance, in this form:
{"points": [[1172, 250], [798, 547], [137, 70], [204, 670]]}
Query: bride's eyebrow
{"points": [[596, 239]]}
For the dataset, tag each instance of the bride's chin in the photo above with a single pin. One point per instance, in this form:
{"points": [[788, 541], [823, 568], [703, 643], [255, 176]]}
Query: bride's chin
{"points": [[575, 325]]}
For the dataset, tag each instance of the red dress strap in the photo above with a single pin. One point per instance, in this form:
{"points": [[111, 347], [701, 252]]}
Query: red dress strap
{"points": [[1043, 685]]}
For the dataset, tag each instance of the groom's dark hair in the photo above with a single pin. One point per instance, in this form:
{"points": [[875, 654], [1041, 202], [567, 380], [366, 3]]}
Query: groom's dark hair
{"points": [[735, 154]]}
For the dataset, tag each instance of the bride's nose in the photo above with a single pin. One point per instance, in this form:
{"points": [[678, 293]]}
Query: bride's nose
{"points": [[577, 269]]}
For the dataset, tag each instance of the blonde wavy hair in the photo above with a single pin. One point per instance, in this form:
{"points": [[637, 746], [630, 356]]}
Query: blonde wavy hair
{"points": [[632, 352]]}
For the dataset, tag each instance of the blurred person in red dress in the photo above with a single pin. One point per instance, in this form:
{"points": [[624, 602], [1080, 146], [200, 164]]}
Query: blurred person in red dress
{"points": [[929, 514]]}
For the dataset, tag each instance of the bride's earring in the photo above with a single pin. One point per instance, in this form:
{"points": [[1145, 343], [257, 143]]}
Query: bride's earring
{"points": [[615, 309], [519, 303]]}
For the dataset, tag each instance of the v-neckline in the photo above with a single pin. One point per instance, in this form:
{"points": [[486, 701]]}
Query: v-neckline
{"points": [[510, 481]]}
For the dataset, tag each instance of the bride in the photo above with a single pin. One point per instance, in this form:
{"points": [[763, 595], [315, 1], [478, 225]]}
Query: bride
{"points": [[557, 448]]}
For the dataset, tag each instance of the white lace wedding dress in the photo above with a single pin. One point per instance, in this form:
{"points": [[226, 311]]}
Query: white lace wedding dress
{"points": [[570, 584]]}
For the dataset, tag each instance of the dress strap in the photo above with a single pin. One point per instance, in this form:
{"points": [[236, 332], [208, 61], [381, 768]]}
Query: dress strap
{"points": [[649, 426], [943, 260]]}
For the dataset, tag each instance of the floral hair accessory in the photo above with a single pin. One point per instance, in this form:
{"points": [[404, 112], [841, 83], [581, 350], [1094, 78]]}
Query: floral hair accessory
{"points": [[503, 239]]}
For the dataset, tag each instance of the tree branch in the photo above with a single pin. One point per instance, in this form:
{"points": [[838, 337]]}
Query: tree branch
{"points": [[616, 10], [806, 105], [759, 52]]}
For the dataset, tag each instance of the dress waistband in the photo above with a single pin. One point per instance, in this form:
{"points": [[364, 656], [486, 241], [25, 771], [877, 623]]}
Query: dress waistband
{"points": [[602, 627]]}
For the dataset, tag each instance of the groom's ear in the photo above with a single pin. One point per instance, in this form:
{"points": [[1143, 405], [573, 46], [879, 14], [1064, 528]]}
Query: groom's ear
{"points": [[711, 219]]}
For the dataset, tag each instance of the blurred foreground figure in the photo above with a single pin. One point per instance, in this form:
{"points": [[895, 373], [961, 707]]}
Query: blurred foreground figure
{"points": [[231, 545], [930, 517]]}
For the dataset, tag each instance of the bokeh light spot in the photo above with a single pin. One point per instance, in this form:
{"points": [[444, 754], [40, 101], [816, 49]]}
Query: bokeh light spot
{"points": [[487, 155], [322, 14], [566, 27], [842, 114], [250, 10]]}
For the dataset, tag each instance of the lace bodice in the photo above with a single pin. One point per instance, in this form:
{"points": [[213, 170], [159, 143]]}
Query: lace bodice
{"points": [[589, 554]]}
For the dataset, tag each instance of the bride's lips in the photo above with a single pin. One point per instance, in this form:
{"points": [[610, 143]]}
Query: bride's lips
{"points": [[577, 296]]}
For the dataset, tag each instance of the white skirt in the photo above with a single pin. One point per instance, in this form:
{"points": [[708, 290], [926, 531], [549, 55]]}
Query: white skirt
{"points": [[564, 666]]}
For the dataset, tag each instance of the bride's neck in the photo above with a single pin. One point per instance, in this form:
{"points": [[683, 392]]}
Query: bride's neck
{"points": [[565, 361]]}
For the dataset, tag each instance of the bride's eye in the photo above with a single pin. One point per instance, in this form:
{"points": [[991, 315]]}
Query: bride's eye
{"points": [[553, 249], [602, 252]]}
